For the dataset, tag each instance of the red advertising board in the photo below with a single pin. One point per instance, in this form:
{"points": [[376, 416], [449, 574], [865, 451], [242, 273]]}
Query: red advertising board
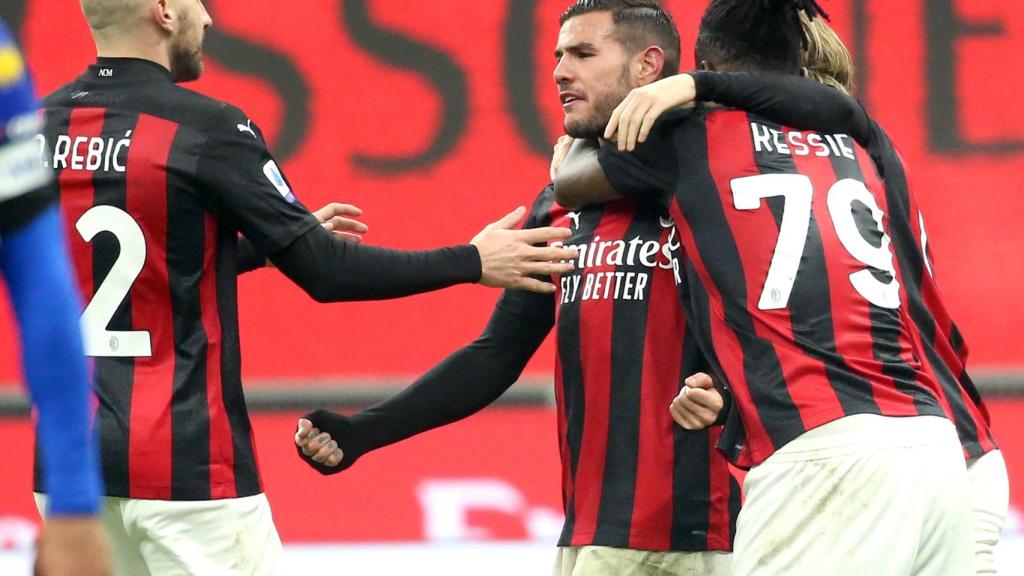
{"points": [[492, 477], [436, 118]]}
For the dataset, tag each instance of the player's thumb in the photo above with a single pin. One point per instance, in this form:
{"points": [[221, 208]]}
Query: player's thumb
{"points": [[700, 380], [303, 428]]}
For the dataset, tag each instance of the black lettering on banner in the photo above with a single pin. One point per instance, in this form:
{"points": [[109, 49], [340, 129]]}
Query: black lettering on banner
{"points": [[250, 59], [436, 67], [944, 29], [520, 33]]}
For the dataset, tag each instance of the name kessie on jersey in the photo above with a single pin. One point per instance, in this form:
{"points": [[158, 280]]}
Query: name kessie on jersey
{"points": [[91, 154], [603, 269], [796, 143]]}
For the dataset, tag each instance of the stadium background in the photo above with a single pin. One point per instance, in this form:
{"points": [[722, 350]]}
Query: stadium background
{"points": [[438, 117]]}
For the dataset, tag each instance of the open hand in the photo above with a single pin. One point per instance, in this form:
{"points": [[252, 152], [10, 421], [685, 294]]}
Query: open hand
{"points": [[510, 259], [334, 219], [632, 119]]}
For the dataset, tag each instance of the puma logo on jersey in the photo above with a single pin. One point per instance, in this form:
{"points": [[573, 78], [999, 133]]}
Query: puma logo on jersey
{"points": [[575, 217], [247, 127], [666, 222]]}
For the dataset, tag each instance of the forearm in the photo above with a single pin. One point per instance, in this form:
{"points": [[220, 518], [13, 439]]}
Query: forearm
{"points": [[580, 180], [789, 100], [331, 270], [47, 308], [461, 385]]}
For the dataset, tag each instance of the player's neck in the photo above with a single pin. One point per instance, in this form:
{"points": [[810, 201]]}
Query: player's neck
{"points": [[156, 52]]}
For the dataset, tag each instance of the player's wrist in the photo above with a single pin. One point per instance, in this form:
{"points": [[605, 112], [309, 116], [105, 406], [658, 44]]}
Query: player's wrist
{"points": [[470, 263], [702, 82]]}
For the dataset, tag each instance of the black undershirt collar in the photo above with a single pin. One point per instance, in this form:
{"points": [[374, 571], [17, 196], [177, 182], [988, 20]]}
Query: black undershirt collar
{"points": [[126, 70]]}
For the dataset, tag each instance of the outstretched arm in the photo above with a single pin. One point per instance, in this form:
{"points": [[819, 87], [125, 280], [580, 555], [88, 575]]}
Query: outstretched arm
{"points": [[249, 190], [789, 100], [332, 217], [461, 385], [330, 270]]}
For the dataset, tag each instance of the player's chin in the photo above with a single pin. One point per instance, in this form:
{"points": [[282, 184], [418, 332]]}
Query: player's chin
{"points": [[580, 126]]}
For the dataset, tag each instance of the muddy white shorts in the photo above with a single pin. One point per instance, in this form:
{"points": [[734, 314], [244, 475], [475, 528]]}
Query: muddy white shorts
{"points": [[990, 498], [230, 537], [865, 495], [606, 561]]}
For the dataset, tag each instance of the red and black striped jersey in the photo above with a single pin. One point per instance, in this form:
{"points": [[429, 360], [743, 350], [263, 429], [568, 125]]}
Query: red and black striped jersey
{"points": [[631, 477], [794, 291], [941, 341], [808, 105], [156, 183]]}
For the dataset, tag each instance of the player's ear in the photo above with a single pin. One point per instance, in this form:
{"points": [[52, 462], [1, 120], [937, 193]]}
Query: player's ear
{"points": [[650, 65], [162, 14]]}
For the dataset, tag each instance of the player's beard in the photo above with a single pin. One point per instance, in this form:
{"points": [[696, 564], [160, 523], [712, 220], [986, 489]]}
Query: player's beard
{"points": [[601, 108], [187, 51]]}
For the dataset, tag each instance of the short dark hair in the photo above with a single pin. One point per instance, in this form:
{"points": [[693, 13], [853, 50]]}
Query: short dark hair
{"points": [[763, 35], [638, 24]]}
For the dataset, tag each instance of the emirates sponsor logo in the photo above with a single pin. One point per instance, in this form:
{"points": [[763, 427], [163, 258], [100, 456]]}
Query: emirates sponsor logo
{"points": [[618, 269]]}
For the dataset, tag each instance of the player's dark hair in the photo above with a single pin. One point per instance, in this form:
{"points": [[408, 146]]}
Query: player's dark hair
{"points": [[638, 25], [762, 35]]}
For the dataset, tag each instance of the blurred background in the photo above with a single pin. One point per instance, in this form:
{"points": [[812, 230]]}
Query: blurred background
{"points": [[437, 118]]}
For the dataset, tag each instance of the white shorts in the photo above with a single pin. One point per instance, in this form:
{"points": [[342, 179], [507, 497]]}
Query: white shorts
{"points": [[990, 498], [230, 537], [864, 495], [606, 561]]}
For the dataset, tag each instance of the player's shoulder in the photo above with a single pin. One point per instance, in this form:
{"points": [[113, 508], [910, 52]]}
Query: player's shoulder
{"points": [[719, 113], [681, 115], [60, 97], [207, 114]]}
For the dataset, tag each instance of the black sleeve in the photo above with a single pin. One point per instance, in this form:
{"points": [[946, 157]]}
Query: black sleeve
{"points": [[248, 257], [727, 404], [246, 187], [461, 385], [790, 100], [332, 270], [885, 156], [652, 170]]}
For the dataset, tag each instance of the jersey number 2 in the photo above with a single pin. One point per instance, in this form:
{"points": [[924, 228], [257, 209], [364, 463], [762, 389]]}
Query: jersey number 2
{"points": [[798, 192], [98, 340]]}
